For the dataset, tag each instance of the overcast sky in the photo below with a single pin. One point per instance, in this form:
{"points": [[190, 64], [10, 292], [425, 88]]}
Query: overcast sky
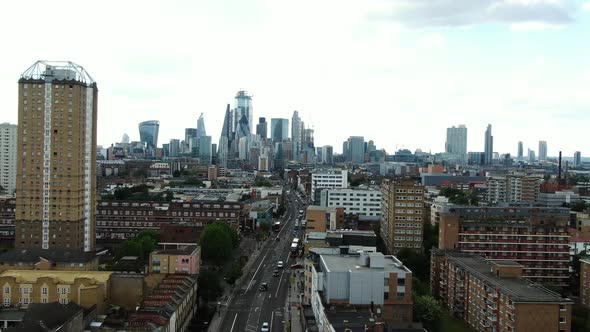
{"points": [[395, 71]]}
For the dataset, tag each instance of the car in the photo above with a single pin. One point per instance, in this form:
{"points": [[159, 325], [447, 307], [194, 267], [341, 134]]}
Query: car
{"points": [[280, 264], [275, 273], [265, 327], [277, 239], [297, 266], [263, 287]]}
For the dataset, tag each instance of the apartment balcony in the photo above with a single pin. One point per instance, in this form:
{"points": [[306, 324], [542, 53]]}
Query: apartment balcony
{"points": [[492, 318], [485, 324]]}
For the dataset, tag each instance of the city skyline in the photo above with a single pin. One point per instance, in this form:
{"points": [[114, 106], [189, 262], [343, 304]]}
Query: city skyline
{"points": [[520, 67]]}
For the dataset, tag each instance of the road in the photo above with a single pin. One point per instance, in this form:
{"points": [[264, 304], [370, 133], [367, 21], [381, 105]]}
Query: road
{"points": [[250, 307]]}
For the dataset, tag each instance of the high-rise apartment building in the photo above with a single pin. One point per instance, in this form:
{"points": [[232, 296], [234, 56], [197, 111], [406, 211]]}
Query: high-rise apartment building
{"points": [[536, 237], [279, 131], [488, 146], [148, 133], [520, 151], [296, 135], [577, 158], [56, 167], [542, 150], [8, 153], [262, 128], [585, 281], [201, 126], [456, 144], [402, 215], [513, 188], [493, 296], [531, 156]]}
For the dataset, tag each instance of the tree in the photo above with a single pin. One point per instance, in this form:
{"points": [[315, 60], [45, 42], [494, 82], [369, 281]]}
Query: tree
{"points": [[235, 239], [169, 196], [194, 181], [579, 206], [428, 311], [142, 245], [418, 263], [209, 285], [216, 243], [430, 236], [265, 226], [140, 173], [262, 182], [234, 273]]}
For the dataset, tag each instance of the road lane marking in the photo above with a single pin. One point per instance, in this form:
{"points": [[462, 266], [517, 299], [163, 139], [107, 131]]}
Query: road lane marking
{"points": [[272, 316], [279, 285], [234, 323], [252, 280]]}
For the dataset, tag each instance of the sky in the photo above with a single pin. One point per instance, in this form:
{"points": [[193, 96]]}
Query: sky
{"points": [[398, 72]]}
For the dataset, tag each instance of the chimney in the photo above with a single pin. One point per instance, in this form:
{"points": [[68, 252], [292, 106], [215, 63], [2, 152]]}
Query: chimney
{"points": [[559, 169]]}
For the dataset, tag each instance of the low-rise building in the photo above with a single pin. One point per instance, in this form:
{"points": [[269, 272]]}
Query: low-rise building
{"points": [[327, 178], [169, 307], [173, 258], [51, 317], [55, 259], [493, 296], [362, 202], [85, 288], [320, 219], [558, 198], [341, 276]]}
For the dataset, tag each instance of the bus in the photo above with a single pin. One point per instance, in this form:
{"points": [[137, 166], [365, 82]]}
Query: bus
{"points": [[277, 226]]}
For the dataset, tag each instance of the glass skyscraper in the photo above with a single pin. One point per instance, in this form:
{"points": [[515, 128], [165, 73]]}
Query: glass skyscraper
{"points": [[148, 133], [279, 129]]}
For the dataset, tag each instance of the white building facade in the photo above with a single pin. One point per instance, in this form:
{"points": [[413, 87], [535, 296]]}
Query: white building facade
{"points": [[8, 143]]}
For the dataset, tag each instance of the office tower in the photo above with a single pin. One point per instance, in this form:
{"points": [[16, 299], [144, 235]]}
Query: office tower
{"points": [[201, 126], [346, 150], [204, 147], [148, 133], [328, 154], [261, 128], [456, 144], [56, 210], [520, 151], [542, 150], [475, 158], [242, 109], [577, 158], [243, 128], [489, 146], [307, 149], [263, 162], [125, 139], [402, 209], [356, 146], [174, 148], [8, 150], [296, 135], [531, 155], [279, 131]]}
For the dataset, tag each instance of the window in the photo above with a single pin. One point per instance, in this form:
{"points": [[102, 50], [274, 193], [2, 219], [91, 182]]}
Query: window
{"points": [[44, 290], [561, 319], [6, 290], [401, 282], [7, 302]]}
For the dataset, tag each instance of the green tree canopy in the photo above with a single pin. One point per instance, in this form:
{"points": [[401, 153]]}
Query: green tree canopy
{"points": [[209, 285], [216, 243], [428, 311], [418, 263]]}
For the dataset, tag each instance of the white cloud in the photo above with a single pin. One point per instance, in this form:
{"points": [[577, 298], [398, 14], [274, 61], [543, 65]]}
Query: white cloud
{"points": [[421, 13], [586, 5], [534, 26], [432, 40]]}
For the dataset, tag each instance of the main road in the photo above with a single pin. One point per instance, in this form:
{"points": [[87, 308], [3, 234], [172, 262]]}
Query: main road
{"points": [[249, 308]]}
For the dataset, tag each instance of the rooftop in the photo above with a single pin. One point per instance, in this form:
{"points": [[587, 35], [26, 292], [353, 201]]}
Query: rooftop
{"points": [[47, 316], [33, 255], [520, 290], [352, 263], [68, 277], [176, 249]]}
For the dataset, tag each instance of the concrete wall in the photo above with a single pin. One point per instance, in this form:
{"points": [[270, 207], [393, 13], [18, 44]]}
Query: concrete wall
{"points": [[366, 287]]}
